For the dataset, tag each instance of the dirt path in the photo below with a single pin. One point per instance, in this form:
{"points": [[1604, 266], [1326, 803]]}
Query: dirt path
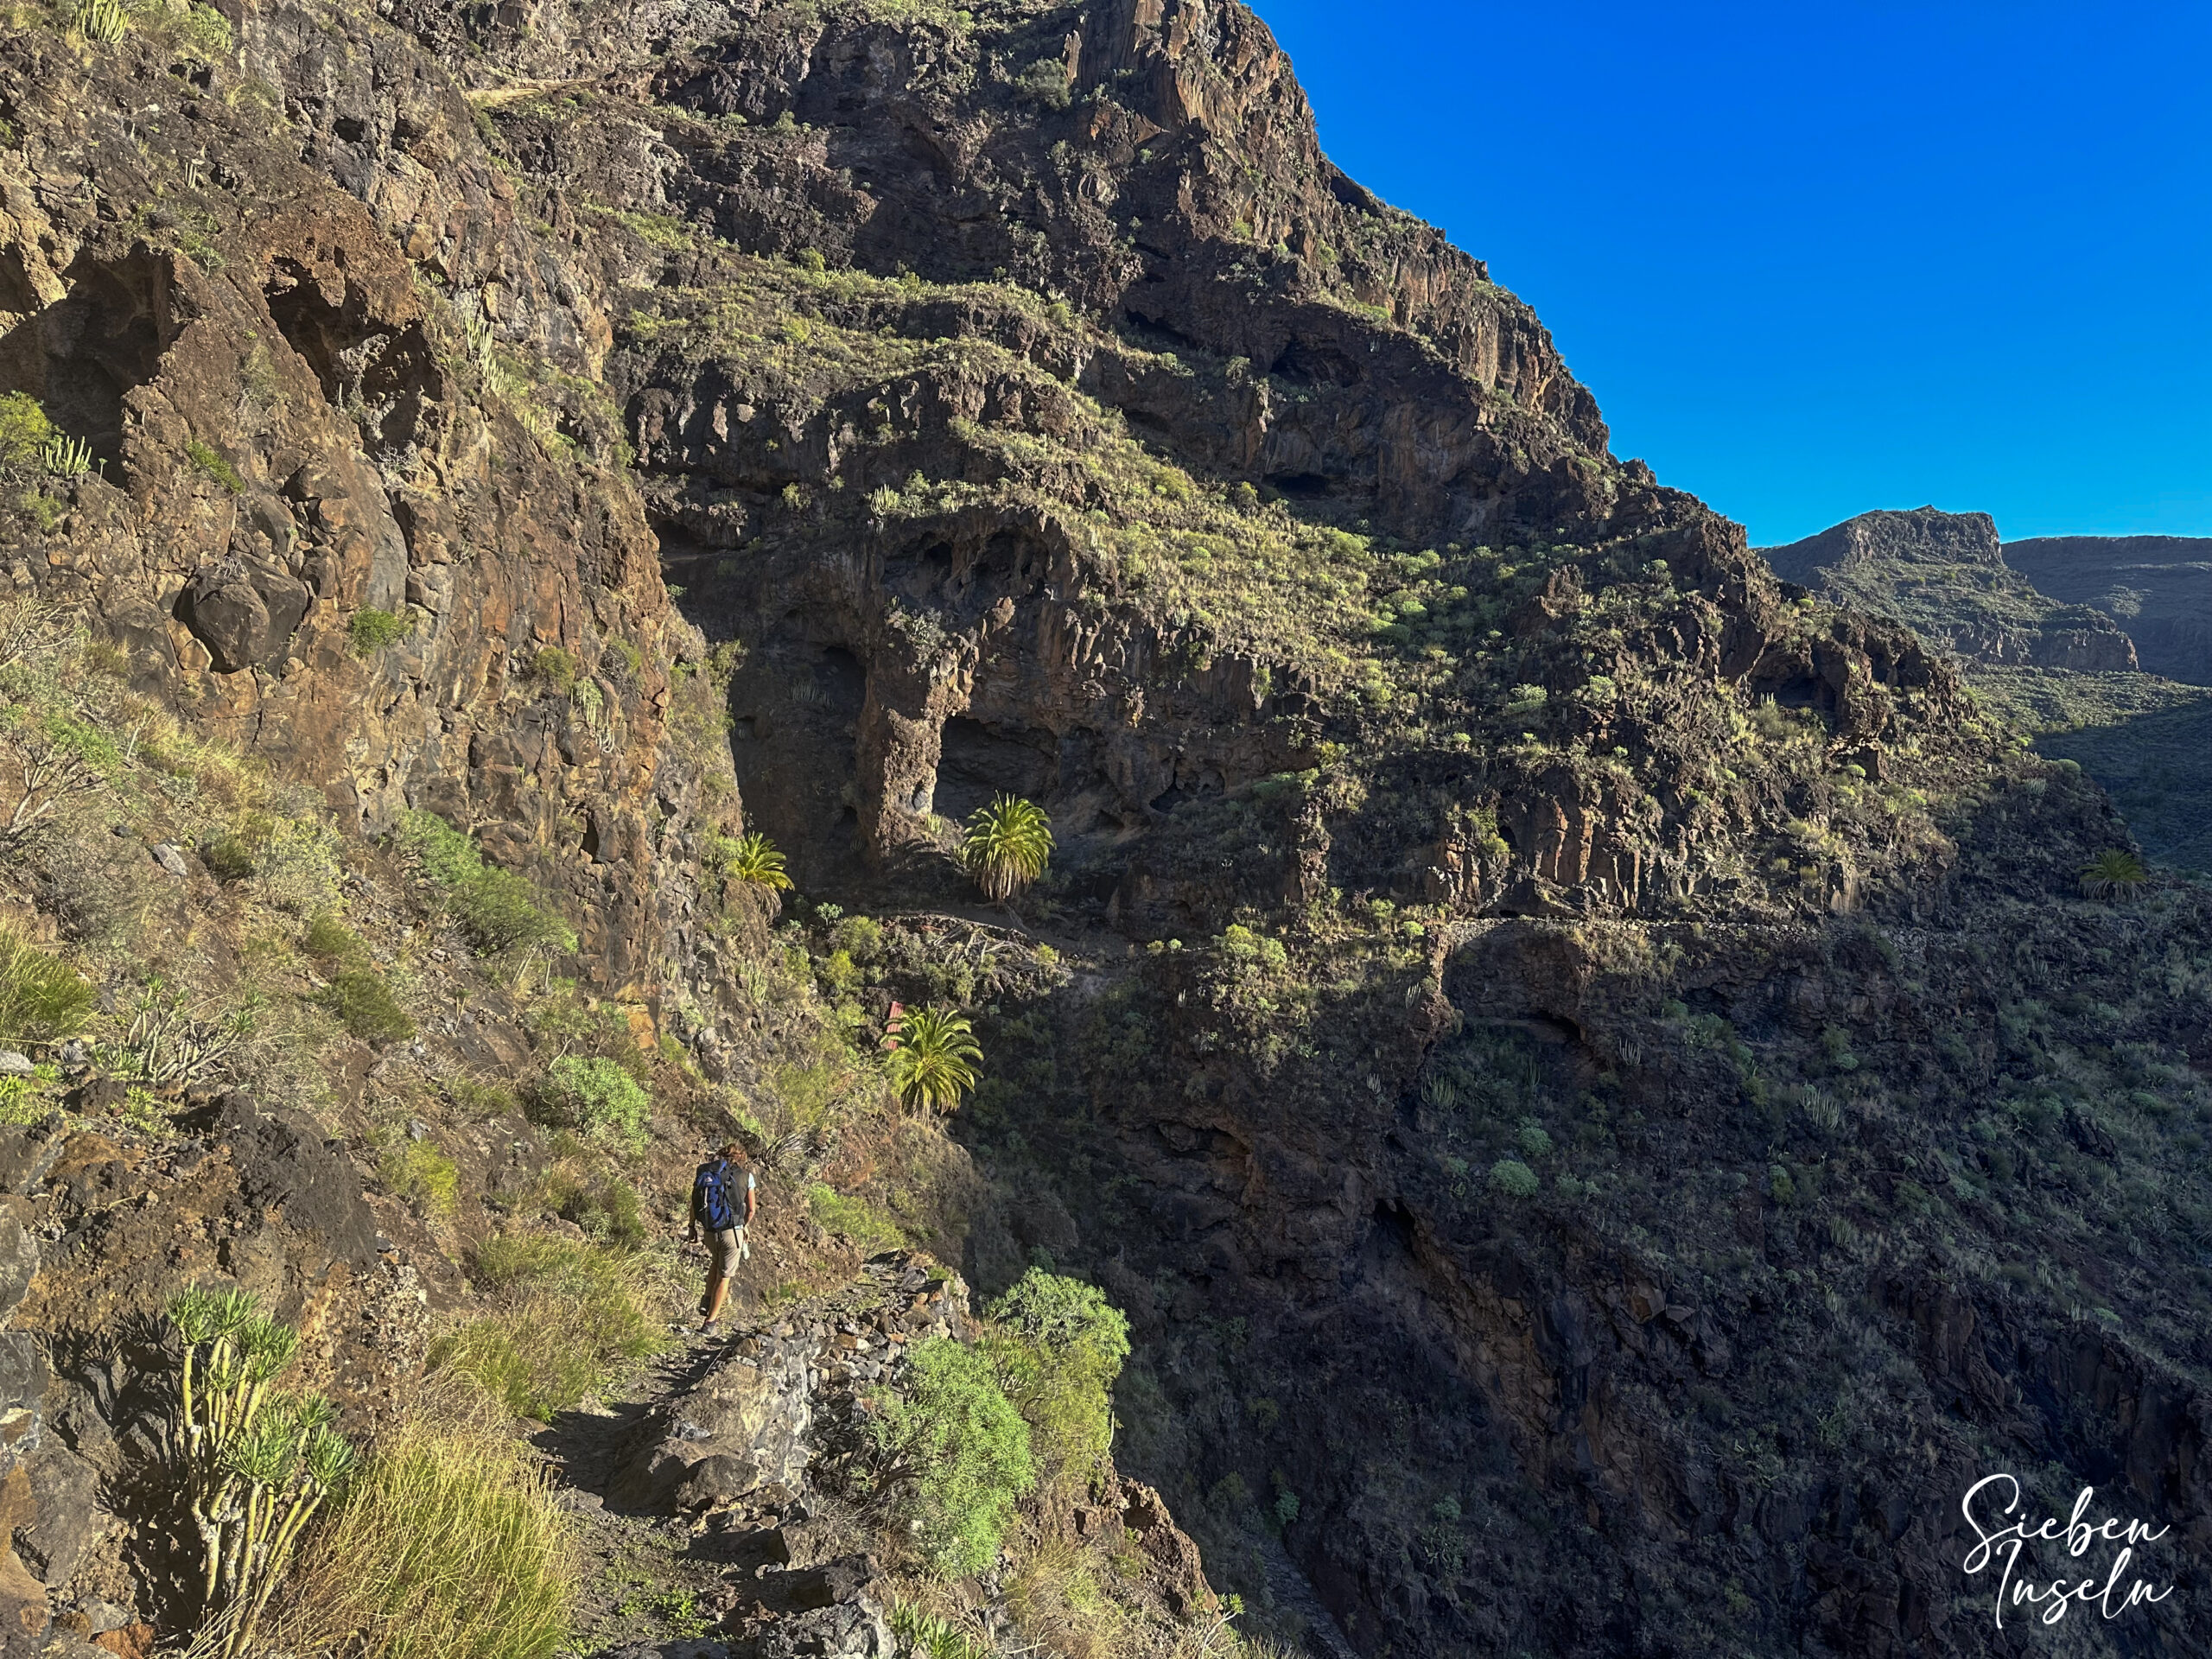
{"points": [[647, 1589]]}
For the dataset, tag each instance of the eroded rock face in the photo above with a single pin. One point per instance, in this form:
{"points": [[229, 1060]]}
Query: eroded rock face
{"points": [[298, 438]]}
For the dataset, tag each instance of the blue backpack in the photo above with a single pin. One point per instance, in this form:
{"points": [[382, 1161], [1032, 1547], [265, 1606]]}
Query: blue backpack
{"points": [[719, 1206]]}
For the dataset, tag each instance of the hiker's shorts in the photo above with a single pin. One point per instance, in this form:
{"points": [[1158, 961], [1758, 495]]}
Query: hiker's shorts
{"points": [[725, 1250]]}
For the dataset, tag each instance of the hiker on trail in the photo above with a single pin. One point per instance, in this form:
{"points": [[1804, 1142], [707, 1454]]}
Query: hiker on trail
{"points": [[721, 1207]]}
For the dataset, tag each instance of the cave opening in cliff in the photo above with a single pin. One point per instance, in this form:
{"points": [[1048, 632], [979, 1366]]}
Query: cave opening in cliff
{"points": [[842, 681], [977, 762], [1304, 363], [83, 353]]}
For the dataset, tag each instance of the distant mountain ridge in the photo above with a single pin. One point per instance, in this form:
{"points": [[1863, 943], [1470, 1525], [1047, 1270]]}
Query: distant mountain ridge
{"points": [[1945, 575], [2156, 588], [2102, 644]]}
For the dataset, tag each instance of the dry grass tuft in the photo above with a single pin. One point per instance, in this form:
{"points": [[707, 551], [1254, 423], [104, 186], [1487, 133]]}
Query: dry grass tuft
{"points": [[449, 1547]]}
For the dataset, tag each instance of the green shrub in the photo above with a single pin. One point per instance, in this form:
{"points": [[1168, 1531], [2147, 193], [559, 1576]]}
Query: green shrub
{"points": [[43, 1000], [24, 432], [1044, 82], [418, 1171], [610, 1211], [498, 911], [209, 460], [369, 632], [1514, 1179], [1534, 1140], [25, 1100], [1060, 1345], [207, 30], [145, 1110], [953, 1454], [598, 1097], [41, 510], [556, 668], [572, 1317], [480, 1100], [228, 857], [450, 1547], [629, 656], [328, 939], [364, 1004], [861, 938], [858, 1219]]}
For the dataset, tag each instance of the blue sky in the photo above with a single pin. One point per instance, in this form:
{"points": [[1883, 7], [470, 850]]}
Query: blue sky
{"points": [[1816, 258]]}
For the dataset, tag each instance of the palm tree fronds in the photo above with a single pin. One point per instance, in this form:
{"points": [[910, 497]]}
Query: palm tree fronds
{"points": [[1006, 846]]}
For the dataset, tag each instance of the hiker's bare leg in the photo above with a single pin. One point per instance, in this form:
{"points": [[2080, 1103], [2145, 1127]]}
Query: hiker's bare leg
{"points": [[717, 1291]]}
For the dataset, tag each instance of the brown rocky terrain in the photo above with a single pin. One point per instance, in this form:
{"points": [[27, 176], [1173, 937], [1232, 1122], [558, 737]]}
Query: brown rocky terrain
{"points": [[1590, 1070]]}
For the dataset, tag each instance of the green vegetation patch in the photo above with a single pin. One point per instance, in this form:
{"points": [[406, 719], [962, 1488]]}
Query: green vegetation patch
{"points": [[369, 632], [956, 1452], [42, 999], [499, 913], [596, 1096], [859, 1220], [364, 1004]]}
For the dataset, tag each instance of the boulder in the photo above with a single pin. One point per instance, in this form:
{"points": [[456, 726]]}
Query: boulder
{"points": [[66, 1516], [850, 1630], [245, 612], [741, 1427], [284, 1164]]}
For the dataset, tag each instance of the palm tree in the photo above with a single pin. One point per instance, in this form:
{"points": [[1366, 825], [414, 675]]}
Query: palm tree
{"points": [[933, 1056], [755, 859], [1005, 847], [2113, 874]]}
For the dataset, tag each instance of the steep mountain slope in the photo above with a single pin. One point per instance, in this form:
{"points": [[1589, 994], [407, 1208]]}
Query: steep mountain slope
{"points": [[1592, 1072]]}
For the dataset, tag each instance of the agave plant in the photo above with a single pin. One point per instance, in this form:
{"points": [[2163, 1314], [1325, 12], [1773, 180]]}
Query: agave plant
{"points": [[1006, 846], [755, 859], [2113, 873], [933, 1057]]}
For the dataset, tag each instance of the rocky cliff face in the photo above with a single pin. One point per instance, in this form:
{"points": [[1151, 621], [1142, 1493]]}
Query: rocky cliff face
{"points": [[2156, 588], [1945, 574], [318, 524], [1589, 1068]]}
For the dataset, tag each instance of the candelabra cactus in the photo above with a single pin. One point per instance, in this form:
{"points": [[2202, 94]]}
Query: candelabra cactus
{"points": [[255, 1466]]}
